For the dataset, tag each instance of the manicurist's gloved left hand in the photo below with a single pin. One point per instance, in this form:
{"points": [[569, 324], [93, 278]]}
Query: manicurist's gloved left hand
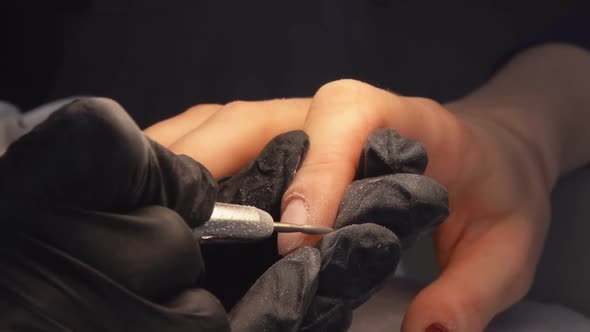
{"points": [[390, 203]]}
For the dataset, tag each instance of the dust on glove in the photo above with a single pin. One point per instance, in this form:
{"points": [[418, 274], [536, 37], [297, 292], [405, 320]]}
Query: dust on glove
{"points": [[316, 289]]}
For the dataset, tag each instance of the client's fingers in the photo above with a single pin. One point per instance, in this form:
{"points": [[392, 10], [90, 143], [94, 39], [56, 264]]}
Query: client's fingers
{"points": [[170, 130], [260, 184], [341, 117], [484, 276], [236, 134]]}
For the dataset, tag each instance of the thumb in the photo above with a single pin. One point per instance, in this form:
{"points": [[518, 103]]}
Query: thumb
{"points": [[482, 279], [447, 305]]}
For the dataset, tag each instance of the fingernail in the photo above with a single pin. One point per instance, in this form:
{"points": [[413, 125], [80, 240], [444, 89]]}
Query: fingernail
{"points": [[436, 327], [297, 213]]}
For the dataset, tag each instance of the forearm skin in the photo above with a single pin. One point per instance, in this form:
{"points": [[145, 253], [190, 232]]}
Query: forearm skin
{"points": [[542, 96]]}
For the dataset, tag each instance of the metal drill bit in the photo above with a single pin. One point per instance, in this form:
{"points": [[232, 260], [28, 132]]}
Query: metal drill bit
{"points": [[230, 222], [306, 229]]}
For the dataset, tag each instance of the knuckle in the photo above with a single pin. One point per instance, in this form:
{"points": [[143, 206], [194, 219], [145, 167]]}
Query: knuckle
{"points": [[259, 115], [428, 103], [251, 106], [340, 86], [236, 105], [364, 103], [244, 111], [239, 111], [202, 108]]}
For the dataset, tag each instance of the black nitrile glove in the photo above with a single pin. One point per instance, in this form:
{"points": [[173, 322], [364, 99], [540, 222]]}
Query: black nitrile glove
{"points": [[96, 229], [390, 191], [316, 289]]}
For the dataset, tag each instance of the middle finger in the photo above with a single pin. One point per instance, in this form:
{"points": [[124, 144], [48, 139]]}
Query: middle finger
{"points": [[235, 134]]}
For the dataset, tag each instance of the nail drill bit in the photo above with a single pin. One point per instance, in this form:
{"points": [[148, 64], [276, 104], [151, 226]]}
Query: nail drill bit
{"points": [[230, 222]]}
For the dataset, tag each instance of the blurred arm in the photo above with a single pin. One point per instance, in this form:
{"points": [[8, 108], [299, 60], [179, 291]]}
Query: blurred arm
{"points": [[542, 96]]}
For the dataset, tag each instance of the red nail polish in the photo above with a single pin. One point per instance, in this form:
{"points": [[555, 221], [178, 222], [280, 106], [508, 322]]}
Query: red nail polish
{"points": [[436, 327]]}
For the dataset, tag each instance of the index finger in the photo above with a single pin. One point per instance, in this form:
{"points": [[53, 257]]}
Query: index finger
{"points": [[341, 117]]}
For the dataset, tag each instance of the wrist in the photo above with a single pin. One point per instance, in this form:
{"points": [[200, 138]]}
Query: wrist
{"points": [[530, 141], [540, 97]]}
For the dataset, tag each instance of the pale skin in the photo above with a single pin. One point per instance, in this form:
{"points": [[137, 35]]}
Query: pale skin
{"points": [[498, 150]]}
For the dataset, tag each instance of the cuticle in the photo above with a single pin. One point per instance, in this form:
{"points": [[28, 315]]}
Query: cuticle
{"points": [[291, 197]]}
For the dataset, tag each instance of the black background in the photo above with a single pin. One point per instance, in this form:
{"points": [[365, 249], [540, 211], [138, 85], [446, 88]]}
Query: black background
{"points": [[159, 57]]}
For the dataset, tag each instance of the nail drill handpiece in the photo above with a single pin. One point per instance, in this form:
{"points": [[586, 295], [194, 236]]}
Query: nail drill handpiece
{"points": [[231, 222]]}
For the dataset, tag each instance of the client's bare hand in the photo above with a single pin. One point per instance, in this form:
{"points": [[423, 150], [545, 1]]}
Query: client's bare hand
{"points": [[490, 244]]}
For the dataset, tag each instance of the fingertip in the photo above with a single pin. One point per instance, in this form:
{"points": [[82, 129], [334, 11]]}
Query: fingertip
{"points": [[313, 198], [447, 307], [421, 317], [289, 242], [295, 211]]}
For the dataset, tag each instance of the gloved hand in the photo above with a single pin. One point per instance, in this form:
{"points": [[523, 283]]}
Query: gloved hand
{"points": [[316, 289], [98, 237], [97, 229]]}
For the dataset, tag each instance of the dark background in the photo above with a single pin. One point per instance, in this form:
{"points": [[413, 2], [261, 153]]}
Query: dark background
{"points": [[159, 57]]}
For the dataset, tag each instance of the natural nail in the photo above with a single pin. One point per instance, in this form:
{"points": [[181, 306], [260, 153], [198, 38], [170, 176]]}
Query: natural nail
{"points": [[436, 327], [297, 213]]}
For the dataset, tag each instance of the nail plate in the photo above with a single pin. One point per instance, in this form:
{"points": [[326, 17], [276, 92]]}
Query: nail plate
{"points": [[436, 327], [297, 213]]}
